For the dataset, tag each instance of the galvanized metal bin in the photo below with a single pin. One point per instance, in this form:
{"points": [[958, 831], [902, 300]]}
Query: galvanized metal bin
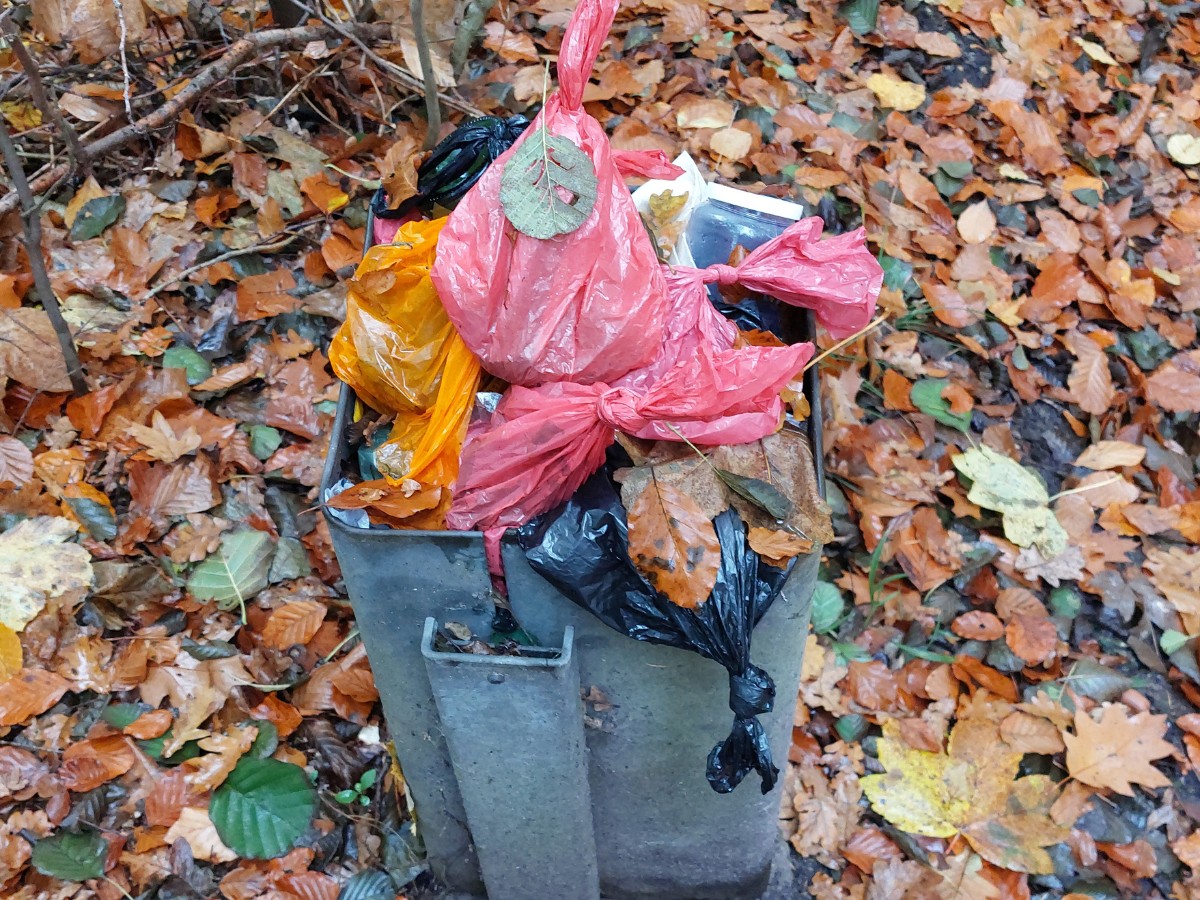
{"points": [[657, 828]]}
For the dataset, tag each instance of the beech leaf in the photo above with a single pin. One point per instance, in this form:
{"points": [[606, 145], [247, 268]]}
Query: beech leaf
{"points": [[1004, 485], [263, 807], [71, 857], [548, 187], [673, 544], [236, 572]]}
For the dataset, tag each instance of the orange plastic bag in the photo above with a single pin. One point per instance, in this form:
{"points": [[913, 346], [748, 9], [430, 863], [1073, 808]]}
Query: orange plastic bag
{"points": [[402, 356]]}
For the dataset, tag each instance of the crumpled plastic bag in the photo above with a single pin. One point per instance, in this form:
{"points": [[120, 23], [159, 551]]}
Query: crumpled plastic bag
{"points": [[582, 548], [585, 306], [399, 352], [543, 442]]}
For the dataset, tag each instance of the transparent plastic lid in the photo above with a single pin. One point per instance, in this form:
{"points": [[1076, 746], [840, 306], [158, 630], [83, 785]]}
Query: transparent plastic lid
{"points": [[772, 206]]}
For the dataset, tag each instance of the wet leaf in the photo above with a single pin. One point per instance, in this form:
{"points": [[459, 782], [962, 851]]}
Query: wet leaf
{"points": [[673, 543], [180, 356], [96, 215], [545, 167], [927, 393]]}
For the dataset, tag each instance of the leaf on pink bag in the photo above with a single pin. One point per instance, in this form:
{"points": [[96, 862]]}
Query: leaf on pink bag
{"points": [[546, 170]]}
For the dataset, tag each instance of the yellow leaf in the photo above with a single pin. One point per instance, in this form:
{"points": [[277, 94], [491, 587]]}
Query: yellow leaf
{"points": [[1184, 149], [21, 114], [36, 565], [11, 657], [1014, 173], [1003, 485], [896, 93], [1096, 51], [971, 789]]}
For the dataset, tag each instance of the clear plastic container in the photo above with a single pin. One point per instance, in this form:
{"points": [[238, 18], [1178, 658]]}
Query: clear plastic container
{"points": [[731, 218]]}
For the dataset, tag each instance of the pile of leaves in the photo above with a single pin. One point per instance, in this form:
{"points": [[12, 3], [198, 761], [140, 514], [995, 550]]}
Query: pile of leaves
{"points": [[1002, 694]]}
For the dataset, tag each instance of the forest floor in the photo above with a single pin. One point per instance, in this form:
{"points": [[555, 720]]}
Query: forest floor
{"points": [[1001, 694]]}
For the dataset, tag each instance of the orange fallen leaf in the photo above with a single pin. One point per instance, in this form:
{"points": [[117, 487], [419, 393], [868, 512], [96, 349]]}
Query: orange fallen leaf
{"points": [[1115, 750], [673, 544], [293, 623], [29, 693]]}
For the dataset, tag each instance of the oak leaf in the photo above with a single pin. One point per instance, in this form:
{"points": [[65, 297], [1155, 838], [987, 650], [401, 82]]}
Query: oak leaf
{"points": [[972, 789], [1116, 749], [673, 544], [164, 443]]}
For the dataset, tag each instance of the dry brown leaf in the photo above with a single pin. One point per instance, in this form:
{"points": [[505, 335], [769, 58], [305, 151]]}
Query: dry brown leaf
{"points": [[262, 296], [1031, 734], [16, 462], [29, 693], [194, 826], [1115, 749], [293, 623], [1090, 381], [29, 350], [977, 223], [1111, 455], [168, 798], [149, 725], [1175, 385], [162, 442], [978, 626], [673, 544], [1033, 638], [777, 547]]}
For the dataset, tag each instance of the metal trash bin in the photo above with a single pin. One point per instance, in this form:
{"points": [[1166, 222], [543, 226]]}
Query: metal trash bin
{"points": [[658, 829]]}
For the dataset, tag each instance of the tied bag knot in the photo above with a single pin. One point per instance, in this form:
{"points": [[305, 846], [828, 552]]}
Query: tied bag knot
{"points": [[746, 749], [721, 274]]}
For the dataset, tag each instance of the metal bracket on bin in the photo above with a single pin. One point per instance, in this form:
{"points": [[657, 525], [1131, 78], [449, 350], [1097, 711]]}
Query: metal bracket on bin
{"points": [[514, 729]]}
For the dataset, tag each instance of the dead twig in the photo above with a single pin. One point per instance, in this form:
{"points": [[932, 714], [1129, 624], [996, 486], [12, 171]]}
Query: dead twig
{"points": [[32, 221], [433, 110], [240, 52], [46, 104]]}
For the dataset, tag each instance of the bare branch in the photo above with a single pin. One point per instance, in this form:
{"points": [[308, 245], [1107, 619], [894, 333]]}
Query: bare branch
{"points": [[433, 110], [42, 98], [32, 221]]}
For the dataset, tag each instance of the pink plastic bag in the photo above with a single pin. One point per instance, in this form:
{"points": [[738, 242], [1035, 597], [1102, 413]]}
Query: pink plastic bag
{"points": [[838, 278], [584, 307]]}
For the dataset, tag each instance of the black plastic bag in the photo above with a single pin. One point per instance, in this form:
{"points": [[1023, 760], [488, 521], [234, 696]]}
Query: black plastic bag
{"points": [[455, 165], [582, 548]]}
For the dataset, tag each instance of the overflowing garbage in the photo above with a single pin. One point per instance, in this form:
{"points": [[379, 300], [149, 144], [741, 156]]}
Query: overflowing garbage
{"points": [[614, 374]]}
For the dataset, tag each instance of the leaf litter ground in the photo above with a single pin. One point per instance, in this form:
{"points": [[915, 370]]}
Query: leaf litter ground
{"points": [[1001, 693]]}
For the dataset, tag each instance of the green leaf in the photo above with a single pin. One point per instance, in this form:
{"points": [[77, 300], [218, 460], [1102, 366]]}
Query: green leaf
{"points": [[264, 440], [827, 607], [849, 652], [369, 884], [97, 518], [927, 396], [290, 561], [852, 727], [209, 649], [267, 739], [535, 179], [958, 169], [122, 715], [71, 857], [96, 215], [1087, 196], [349, 795], [896, 272], [368, 779], [765, 496], [236, 572], [263, 807], [860, 15], [1173, 640], [196, 366], [931, 655]]}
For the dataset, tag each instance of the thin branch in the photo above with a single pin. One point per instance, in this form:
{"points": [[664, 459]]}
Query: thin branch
{"points": [[41, 97], [224, 257], [124, 52], [32, 221], [468, 31], [433, 110], [240, 52]]}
